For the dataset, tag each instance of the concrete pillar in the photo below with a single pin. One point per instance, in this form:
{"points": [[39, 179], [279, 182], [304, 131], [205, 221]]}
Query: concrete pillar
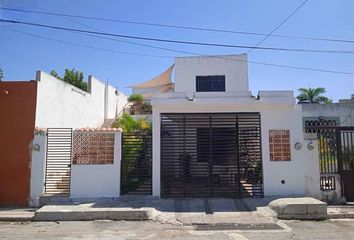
{"points": [[118, 156], [156, 164], [38, 161]]}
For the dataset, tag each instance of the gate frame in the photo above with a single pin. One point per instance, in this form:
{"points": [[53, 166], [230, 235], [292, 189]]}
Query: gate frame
{"points": [[237, 114], [337, 130], [46, 161], [147, 133]]}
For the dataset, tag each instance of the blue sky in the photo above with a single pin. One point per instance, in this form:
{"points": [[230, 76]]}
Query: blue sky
{"points": [[22, 55]]}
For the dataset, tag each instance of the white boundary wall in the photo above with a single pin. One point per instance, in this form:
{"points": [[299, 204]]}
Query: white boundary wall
{"points": [[61, 105], [98, 181], [278, 111]]}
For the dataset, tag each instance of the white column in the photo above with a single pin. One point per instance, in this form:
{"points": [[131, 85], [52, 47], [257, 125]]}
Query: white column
{"points": [[118, 156], [156, 164], [37, 168]]}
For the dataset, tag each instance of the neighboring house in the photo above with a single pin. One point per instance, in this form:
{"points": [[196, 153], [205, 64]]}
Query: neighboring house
{"points": [[211, 137], [341, 113], [329, 121], [46, 102], [61, 105]]}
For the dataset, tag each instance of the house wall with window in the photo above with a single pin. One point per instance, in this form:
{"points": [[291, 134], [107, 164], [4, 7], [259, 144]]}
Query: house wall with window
{"points": [[231, 67], [219, 85]]}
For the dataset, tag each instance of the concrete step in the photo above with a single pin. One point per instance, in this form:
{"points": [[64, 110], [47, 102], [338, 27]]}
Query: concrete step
{"points": [[17, 214], [88, 212], [341, 211], [302, 208]]}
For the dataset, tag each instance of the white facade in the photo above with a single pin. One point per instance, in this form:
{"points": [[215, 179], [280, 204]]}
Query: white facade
{"points": [[234, 67], [61, 105], [278, 111]]}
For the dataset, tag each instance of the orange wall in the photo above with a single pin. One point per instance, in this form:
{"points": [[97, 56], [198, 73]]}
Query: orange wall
{"points": [[17, 123]]}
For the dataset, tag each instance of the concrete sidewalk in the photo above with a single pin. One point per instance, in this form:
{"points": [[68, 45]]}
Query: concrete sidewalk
{"points": [[173, 211]]}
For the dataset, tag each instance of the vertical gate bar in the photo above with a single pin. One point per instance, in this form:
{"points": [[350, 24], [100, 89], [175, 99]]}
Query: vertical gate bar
{"points": [[326, 154], [237, 155], [261, 157], [211, 157], [351, 151], [46, 162], [122, 163], [71, 157], [183, 156], [339, 157]]}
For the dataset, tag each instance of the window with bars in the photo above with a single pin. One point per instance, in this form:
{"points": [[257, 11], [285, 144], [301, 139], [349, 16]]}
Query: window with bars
{"points": [[279, 145], [210, 83]]}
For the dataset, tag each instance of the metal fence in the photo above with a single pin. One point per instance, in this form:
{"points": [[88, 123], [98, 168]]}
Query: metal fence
{"points": [[136, 165]]}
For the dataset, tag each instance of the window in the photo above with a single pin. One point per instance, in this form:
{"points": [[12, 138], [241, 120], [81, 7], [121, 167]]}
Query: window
{"points": [[279, 145], [220, 146], [210, 83]]}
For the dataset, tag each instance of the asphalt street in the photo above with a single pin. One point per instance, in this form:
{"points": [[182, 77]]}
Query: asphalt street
{"points": [[330, 229]]}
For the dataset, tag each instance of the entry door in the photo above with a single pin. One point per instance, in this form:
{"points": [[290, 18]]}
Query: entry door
{"points": [[346, 160]]}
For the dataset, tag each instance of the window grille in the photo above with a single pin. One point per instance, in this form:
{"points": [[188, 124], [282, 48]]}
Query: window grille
{"points": [[279, 145], [210, 83]]}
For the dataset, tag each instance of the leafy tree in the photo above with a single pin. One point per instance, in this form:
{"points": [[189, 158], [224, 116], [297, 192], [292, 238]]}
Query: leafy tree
{"points": [[73, 77], [312, 95], [1, 74]]}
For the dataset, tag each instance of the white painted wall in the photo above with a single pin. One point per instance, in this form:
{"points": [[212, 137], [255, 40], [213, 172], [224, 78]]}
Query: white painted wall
{"points": [[301, 174], [234, 67], [60, 104], [95, 181], [37, 168]]}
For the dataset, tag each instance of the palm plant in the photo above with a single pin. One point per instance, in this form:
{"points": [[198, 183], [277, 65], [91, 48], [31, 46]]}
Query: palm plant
{"points": [[312, 95]]}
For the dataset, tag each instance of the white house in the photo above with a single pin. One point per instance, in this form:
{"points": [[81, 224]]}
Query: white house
{"points": [[211, 137]]}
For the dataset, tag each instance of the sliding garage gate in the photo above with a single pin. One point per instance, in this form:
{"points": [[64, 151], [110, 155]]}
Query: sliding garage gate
{"points": [[211, 155]]}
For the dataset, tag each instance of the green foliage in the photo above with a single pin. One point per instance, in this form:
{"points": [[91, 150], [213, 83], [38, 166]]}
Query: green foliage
{"points": [[74, 77], [129, 124], [136, 98], [1, 74], [313, 95]]}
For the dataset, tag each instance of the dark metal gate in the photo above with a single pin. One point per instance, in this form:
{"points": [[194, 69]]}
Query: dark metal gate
{"points": [[345, 137], [336, 156], [136, 167], [211, 154], [58, 161]]}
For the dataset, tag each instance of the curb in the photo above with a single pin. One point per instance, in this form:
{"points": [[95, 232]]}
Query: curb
{"points": [[91, 215], [340, 215]]}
